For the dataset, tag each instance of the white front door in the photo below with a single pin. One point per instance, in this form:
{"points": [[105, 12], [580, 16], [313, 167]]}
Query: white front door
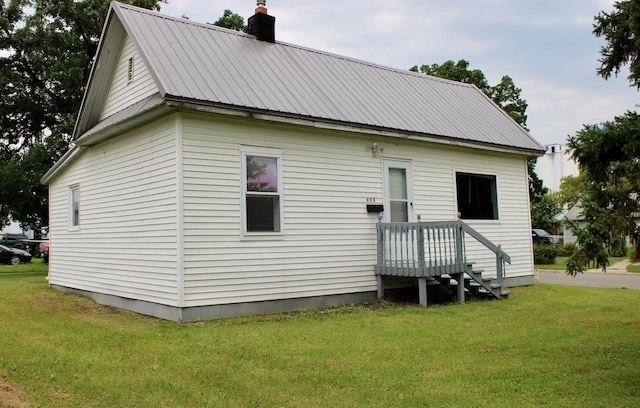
{"points": [[398, 200]]}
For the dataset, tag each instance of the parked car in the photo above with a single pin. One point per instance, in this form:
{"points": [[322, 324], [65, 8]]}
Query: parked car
{"points": [[11, 240], [13, 256], [542, 237], [43, 251]]}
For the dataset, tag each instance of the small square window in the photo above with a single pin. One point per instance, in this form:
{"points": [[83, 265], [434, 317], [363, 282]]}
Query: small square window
{"points": [[262, 199], [477, 196]]}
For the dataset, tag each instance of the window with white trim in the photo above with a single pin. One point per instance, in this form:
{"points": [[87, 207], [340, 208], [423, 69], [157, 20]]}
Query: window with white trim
{"points": [[477, 196], [262, 193], [74, 207]]}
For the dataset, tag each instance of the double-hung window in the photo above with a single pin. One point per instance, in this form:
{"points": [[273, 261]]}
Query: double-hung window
{"points": [[262, 193], [477, 196]]}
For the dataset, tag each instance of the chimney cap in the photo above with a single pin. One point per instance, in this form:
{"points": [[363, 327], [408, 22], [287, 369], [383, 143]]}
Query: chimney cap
{"points": [[261, 7]]}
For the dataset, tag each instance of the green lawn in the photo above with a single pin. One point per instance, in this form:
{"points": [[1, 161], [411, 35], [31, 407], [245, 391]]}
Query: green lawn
{"points": [[546, 345], [561, 263], [634, 268], [35, 266]]}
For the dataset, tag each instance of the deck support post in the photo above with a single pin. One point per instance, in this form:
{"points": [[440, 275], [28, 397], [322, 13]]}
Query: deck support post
{"points": [[460, 278], [422, 291], [380, 287]]}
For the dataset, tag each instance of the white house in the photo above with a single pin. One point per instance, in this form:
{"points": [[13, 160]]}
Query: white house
{"points": [[216, 173]]}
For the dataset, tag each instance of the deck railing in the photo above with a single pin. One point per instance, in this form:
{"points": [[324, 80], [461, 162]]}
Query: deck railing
{"points": [[426, 249]]}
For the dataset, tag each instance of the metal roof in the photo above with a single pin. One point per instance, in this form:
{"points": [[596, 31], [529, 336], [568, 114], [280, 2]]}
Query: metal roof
{"points": [[211, 65]]}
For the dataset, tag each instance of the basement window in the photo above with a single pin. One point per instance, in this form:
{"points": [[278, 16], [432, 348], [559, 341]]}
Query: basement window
{"points": [[262, 193], [477, 196]]}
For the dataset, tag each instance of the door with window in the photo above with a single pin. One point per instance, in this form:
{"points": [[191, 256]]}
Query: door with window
{"points": [[398, 200]]}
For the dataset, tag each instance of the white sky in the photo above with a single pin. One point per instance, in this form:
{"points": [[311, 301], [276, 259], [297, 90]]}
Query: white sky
{"points": [[546, 46]]}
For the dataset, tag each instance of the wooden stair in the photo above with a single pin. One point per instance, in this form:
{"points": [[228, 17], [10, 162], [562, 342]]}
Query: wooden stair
{"points": [[475, 285]]}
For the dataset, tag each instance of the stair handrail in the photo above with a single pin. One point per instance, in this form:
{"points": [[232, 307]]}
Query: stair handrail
{"points": [[501, 256], [496, 249]]}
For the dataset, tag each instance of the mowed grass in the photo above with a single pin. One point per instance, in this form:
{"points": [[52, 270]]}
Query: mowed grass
{"points": [[561, 263], [546, 345], [35, 266], [633, 268]]}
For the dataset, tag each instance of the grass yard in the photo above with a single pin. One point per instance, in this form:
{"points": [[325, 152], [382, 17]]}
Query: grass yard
{"points": [[561, 263], [547, 345], [633, 268], [35, 266]]}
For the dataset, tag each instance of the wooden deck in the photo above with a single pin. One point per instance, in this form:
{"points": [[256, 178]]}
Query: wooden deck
{"points": [[426, 250]]}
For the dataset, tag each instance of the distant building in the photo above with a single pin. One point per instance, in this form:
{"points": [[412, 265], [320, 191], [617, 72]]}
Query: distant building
{"points": [[555, 165], [551, 168], [14, 228]]}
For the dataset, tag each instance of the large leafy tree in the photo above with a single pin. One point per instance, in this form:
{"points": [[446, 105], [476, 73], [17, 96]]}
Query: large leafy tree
{"points": [[46, 51], [545, 205], [544, 212], [231, 21]]}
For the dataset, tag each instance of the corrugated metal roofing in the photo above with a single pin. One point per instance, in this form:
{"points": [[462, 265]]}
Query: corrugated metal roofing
{"points": [[208, 64], [129, 112]]}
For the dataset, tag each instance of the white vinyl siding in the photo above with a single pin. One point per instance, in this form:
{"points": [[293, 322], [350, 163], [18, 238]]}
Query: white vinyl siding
{"points": [[131, 81], [435, 198], [329, 241], [127, 243], [328, 245]]}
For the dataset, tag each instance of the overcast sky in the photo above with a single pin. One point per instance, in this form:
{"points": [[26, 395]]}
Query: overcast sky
{"points": [[546, 46]]}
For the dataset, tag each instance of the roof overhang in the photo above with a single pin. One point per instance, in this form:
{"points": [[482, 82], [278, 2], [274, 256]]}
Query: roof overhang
{"points": [[110, 128], [99, 80], [276, 117]]}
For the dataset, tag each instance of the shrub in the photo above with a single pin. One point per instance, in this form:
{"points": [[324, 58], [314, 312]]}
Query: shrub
{"points": [[544, 254], [631, 254], [618, 247], [567, 249]]}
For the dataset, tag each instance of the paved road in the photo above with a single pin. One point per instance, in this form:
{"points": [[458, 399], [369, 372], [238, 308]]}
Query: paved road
{"points": [[615, 277]]}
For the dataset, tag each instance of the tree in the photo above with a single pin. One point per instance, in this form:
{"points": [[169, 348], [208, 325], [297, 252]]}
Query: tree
{"points": [[609, 155], [544, 211], [609, 159], [231, 21], [456, 71], [46, 52], [536, 186], [572, 190], [621, 30]]}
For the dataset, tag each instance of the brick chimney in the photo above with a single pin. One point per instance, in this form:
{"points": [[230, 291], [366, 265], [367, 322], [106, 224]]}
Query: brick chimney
{"points": [[262, 25]]}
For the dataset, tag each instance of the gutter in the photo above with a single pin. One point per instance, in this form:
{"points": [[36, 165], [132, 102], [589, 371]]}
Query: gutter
{"points": [[62, 164], [105, 130], [195, 106]]}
